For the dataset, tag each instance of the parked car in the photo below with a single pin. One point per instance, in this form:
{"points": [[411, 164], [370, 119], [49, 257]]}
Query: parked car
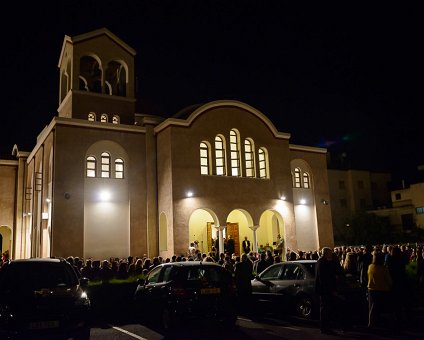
{"points": [[43, 298], [180, 291], [289, 287]]}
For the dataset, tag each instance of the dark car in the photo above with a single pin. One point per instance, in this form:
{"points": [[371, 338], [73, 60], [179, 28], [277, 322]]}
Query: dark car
{"points": [[180, 291], [289, 287], [43, 298]]}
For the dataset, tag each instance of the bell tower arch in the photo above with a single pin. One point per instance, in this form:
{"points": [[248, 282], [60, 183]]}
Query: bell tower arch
{"points": [[97, 76]]}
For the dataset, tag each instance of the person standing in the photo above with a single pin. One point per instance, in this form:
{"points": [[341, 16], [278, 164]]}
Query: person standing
{"points": [[379, 286], [246, 245], [243, 273], [326, 272], [230, 245]]}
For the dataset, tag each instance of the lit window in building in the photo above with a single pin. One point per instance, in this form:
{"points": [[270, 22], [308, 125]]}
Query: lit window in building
{"points": [[306, 181], [249, 158], [220, 156], [92, 117], [296, 181], [103, 118], [235, 153], [105, 165], [204, 159], [91, 166], [115, 119], [263, 163], [119, 168]]}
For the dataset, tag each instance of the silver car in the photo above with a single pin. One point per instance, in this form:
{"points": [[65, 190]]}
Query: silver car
{"points": [[287, 287]]}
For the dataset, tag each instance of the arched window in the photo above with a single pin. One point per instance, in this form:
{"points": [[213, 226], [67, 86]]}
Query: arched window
{"points": [[204, 159], [92, 117], [263, 163], [220, 156], [115, 119], [119, 168], [306, 181], [103, 118], [91, 166], [296, 180], [249, 157], [105, 165], [90, 74], [116, 79], [235, 153]]}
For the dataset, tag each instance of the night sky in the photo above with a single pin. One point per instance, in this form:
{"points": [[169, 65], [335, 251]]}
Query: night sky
{"points": [[342, 75]]}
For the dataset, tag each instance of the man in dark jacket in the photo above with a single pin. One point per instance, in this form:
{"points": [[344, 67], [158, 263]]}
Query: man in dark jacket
{"points": [[326, 287]]}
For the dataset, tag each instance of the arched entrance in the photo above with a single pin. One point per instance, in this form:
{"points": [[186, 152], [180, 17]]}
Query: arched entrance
{"points": [[271, 227], [239, 222], [201, 229]]}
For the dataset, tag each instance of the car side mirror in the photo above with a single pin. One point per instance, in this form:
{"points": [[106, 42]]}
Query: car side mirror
{"points": [[84, 282]]}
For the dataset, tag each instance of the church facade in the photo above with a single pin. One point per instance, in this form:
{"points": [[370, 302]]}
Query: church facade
{"points": [[105, 181]]}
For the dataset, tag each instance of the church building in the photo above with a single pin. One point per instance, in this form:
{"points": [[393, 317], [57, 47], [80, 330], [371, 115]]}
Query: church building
{"points": [[105, 181]]}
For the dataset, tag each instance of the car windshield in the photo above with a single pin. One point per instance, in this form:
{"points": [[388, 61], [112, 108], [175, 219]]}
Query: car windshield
{"points": [[36, 275]]}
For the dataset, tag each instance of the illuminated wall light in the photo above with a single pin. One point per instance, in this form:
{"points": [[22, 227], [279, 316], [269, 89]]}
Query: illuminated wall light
{"points": [[283, 198], [105, 196], [302, 201], [45, 216], [48, 200], [189, 194]]}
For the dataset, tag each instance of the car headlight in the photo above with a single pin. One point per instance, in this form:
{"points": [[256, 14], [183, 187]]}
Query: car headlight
{"points": [[83, 300]]}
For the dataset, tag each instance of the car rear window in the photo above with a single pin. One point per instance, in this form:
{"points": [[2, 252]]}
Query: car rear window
{"points": [[211, 275], [36, 275]]}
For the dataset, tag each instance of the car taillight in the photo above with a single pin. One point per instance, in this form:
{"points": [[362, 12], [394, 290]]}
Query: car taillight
{"points": [[179, 292]]}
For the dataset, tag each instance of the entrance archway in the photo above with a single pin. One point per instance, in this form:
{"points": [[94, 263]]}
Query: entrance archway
{"points": [[201, 229], [6, 239], [271, 225], [244, 221]]}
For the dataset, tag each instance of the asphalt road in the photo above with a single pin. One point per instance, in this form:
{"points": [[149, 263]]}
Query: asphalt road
{"points": [[251, 328]]}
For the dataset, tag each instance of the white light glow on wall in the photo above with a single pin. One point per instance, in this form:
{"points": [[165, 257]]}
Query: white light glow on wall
{"points": [[189, 194], [45, 216], [302, 201], [283, 197], [105, 196]]}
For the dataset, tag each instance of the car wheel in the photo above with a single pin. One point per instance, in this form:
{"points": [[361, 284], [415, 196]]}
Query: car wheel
{"points": [[304, 307]]}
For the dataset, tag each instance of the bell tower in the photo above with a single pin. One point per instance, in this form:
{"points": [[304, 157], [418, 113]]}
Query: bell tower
{"points": [[97, 78]]}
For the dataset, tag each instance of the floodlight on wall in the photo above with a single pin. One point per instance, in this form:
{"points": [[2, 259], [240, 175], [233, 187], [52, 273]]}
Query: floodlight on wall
{"points": [[189, 193], [302, 201], [105, 196], [324, 201], [48, 200], [45, 216], [283, 197]]}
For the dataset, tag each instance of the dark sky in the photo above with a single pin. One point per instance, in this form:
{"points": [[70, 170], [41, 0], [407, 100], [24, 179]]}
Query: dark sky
{"points": [[342, 75]]}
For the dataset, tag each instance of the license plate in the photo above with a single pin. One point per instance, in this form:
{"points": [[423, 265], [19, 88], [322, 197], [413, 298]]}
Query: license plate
{"points": [[210, 291], [44, 324]]}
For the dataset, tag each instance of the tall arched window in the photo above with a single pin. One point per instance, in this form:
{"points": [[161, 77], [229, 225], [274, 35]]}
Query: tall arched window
{"points": [[220, 156], [119, 168], [306, 181], [105, 165], [91, 166], [92, 117], [249, 156], [263, 163], [103, 118], [296, 180], [115, 119], [235, 153], [204, 159]]}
